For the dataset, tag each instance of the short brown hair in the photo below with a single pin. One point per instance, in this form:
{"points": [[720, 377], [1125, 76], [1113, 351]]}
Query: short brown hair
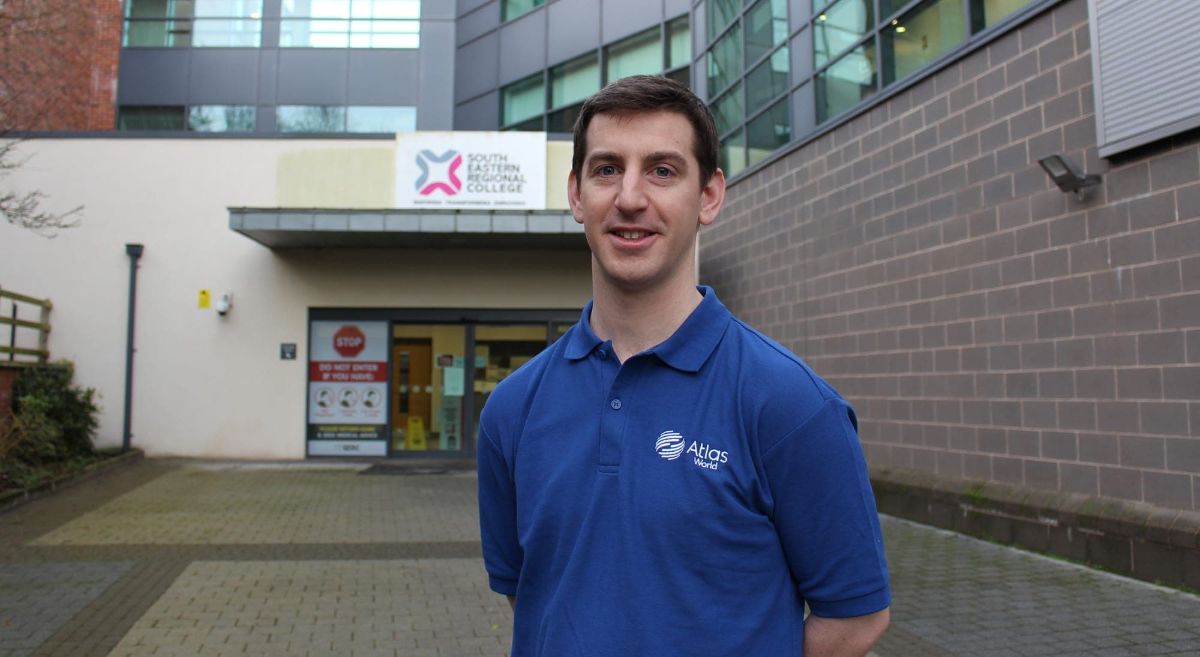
{"points": [[650, 93]]}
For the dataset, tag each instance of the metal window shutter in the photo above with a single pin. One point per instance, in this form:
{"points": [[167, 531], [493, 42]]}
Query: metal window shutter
{"points": [[1146, 70]]}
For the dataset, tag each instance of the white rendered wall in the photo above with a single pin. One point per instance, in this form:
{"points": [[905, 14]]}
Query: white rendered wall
{"points": [[205, 385]]}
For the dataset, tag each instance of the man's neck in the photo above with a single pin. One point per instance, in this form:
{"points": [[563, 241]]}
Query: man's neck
{"points": [[637, 320]]}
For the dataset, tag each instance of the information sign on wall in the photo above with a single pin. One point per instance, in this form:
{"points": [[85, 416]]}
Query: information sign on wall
{"points": [[471, 170], [347, 389]]}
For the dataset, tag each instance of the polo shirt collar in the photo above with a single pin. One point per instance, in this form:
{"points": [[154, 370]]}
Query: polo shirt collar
{"points": [[687, 349]]}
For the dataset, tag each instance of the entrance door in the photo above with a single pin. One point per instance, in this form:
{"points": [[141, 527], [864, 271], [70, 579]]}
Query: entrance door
{"points": [[412, 389]]}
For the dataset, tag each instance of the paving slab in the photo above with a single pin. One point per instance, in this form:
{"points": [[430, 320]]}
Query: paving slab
{"points": [[210, 559]]}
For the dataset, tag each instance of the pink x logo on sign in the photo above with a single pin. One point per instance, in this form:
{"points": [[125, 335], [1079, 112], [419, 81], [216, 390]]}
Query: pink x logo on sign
{"points": [[445, 175]]}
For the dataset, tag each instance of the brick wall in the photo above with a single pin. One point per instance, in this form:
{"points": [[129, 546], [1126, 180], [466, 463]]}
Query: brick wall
{"points": [[58, 64], [984, 324]]}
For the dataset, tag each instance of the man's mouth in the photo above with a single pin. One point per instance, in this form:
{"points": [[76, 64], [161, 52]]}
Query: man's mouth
{"points": [[632, 234]]}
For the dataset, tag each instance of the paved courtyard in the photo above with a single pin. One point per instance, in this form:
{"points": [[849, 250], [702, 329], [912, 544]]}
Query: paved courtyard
{"points": [[193, 559]]}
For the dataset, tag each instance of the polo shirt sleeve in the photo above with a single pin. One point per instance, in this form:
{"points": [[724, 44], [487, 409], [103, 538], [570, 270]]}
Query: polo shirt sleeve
{"points": [[824, 512], [502, 554]]}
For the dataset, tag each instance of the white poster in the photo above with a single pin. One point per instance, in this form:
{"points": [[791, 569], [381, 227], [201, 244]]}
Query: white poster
{"points": [[471, 170], [347, 381]]}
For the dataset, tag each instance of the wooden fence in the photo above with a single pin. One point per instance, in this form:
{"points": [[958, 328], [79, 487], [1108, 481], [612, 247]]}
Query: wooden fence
{"points": [[9, 351]]}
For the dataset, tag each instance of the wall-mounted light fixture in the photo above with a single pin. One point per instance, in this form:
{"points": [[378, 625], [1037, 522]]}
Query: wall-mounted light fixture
{"points": [[1067, 175]]}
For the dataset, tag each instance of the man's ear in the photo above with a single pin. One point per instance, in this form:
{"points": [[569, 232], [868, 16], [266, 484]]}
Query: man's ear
{"points": [[712, 196], [573, 197]]}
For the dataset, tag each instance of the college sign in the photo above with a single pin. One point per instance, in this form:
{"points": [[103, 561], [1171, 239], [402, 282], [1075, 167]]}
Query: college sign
{"points": [[471, 170]]}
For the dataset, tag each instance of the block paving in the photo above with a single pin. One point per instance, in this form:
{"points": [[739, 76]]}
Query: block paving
{"points": [[175, 559]]}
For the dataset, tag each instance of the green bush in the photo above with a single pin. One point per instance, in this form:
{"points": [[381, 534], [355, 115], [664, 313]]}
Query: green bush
{"points": [[52, 419]]}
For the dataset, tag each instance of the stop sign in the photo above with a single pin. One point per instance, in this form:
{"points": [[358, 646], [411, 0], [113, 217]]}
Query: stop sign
{"points": [[349, 341]]}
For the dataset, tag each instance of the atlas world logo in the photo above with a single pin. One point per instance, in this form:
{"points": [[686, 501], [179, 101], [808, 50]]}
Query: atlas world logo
{"points": [[669, 445], [445, 172]]}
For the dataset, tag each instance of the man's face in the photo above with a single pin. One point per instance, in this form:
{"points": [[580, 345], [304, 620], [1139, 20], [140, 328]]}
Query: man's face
{"points": [[639, 198]]}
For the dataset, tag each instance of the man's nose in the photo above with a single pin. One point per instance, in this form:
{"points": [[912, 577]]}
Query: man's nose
{"points": [[632, 197]]}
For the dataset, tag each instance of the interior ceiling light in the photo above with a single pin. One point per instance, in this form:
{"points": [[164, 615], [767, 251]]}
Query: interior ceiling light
{"points": [[1067, 175], [901, 30]]}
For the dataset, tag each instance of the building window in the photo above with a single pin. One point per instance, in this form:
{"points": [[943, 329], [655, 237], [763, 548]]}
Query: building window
{"points": [[910, 37], [335, 118], [524, 102], [748, 72], [353, 24], [551, 100], [510, 9], [920, 36], [197, 118], [221, 118], [641, 54], [193, 23]]}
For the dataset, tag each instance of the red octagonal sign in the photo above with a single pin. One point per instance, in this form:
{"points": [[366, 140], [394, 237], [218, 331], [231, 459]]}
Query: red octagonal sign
{"points": [[349, 341]]}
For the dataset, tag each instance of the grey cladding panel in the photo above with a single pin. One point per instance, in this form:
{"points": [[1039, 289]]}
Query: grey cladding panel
{"points": [[1147, 81], [478, 22], [483, 113], [467, 6], [477, 66], [673, 8], [268, 73], [153, 76], [625, 17], [222, 76], [312, 77], [574, 28], [523, 46], [799, 12], [439, 9], [435, 107], [383, 77]]}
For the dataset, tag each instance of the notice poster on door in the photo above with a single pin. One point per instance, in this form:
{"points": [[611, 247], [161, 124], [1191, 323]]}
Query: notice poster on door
{"points": [[347, 389]]}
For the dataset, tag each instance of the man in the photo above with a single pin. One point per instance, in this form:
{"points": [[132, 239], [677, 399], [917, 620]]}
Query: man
{"points": [[664, 480]]}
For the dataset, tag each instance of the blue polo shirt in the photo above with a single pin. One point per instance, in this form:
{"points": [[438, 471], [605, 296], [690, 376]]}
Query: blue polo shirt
{"points": [[689, 501]]}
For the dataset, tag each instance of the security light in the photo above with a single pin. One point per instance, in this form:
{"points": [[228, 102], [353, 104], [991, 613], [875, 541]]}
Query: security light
{"points": [[1067, 175]]}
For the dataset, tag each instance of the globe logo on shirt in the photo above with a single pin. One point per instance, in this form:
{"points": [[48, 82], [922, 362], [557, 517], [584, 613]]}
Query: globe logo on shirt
{"points": [[669, 445]]}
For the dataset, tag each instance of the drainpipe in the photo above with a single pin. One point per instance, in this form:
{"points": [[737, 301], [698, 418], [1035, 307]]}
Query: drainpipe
{"points": [[134, 251]]}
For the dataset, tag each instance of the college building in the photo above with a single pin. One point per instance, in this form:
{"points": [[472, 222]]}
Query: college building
{"points": [[978, 219]]}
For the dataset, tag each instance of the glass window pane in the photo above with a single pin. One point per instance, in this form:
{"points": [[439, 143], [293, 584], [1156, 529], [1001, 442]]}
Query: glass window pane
{"points": [[522, 100], [385, 9], [385, 34], [841, 26], [532, 125], [499, 351], [766, 27], [381, 119], [158, 33], [574, 80], [846, 82], [310, 118], [725, 62], [679, 42], [682, 76], [510, 9], [563, 120], [733, 154], [226, 32], [153, 9], [639, 54], [767, 80], [221, 118], [729, 110], [303, 33], [150, 118], [768, 132], [228, 8], [986, 13], [921, 36], [428, 387], [720, 14], [315, 9]]}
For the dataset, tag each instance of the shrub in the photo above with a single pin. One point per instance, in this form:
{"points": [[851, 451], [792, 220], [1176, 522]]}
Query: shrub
{"points": [[52, 419]]}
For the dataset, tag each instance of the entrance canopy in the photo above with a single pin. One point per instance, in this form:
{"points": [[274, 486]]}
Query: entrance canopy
{"points": [[287, 228]]}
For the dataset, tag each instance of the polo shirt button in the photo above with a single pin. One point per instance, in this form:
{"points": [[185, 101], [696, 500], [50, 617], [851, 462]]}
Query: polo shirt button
{"points": [[616, 404], [602, 353]]}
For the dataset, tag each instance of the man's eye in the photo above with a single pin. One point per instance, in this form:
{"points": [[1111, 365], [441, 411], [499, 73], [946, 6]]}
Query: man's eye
{"points": [[662, 172], [607, 170]]}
